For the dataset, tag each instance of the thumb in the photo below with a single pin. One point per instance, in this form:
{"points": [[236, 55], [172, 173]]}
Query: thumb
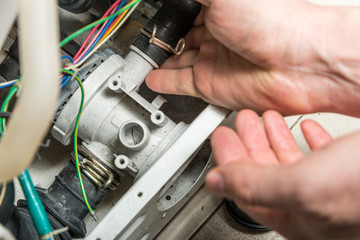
{"points": [[273, 186]]}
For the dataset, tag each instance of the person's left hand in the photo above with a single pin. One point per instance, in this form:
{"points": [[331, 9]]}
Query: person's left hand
{"points": [[316, 196]]}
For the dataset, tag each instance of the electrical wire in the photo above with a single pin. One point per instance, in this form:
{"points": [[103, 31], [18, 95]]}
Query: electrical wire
{"points": [[65, 80], [5, 114], [67, 57], [108, 32], [76, 128], [96, 27], [7, 84], [101, 33], [5, 106], [123, 20], [111, 29], [97, 37], [100, 21]]}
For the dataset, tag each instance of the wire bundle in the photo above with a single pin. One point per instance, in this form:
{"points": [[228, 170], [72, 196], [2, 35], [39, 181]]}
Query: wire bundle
{"points": [[111, 21], [110, 24]]}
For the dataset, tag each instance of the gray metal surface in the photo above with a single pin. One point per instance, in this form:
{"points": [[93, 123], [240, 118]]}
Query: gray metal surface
{"points": [[192, 217]]}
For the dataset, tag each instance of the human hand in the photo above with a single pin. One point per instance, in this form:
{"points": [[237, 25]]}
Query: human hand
{"points": [[316, 196], [282, 55]]}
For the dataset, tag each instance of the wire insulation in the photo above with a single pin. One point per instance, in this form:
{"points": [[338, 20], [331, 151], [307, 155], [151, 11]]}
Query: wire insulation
{"points": [[5, 106], [7, 84], [100, 21], [109, 36], [76, 128], [94, 29]]}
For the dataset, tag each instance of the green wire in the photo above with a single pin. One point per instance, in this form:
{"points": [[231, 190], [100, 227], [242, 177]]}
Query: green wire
{"points": [[5, 106], [75, 139], [62, 43], [100, 21]]}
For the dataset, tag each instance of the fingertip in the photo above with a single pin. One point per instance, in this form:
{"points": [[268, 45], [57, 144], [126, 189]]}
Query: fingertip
{"points": [[220, 132], [215, 183], [316, 136], [272, 115], [151, 80], [245, 116], [308, 124], [227, 146]]}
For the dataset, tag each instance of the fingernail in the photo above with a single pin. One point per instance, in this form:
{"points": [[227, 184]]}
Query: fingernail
{"points": [[215, 182]]}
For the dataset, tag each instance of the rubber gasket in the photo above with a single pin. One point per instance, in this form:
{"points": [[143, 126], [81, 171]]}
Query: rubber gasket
{"points": [[243, 219]]}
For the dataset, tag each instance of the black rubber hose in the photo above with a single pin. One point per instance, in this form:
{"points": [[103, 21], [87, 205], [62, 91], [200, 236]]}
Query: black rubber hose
{"points": [[173, 21], [8, 201], [76, 6]]}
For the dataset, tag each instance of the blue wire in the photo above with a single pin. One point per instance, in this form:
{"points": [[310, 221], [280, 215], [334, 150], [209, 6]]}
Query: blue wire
{"points": [[67, 57], [8, 85], [103, 31], [65, 79]]}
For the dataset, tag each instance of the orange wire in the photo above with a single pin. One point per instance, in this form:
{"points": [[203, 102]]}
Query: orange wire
{"points": [[113, 26]]}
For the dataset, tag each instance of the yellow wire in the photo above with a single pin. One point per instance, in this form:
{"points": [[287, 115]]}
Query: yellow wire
{"points": [[112, 28]]}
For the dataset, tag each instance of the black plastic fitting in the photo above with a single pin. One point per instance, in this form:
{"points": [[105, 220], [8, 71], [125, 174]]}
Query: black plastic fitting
{"points": [[173, 20], [76, 6], [64, 200]]}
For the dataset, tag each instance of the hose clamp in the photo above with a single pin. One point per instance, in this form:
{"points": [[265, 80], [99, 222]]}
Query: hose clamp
{"points": [[180, 46]]}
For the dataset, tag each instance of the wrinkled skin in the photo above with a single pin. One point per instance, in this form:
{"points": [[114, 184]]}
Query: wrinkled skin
{"points": [[267, 57], [292, 57], [316, 196]]}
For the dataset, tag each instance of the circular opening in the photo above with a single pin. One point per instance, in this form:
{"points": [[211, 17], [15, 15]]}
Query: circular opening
{"points": [[121, 162], [134, 135], [115, 83], [140, 194], [168, 197], [158, 118]]}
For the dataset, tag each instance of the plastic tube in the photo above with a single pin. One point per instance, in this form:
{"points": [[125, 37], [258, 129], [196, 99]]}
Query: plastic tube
{"points": [[35, 206], [39, 60], [7, 17]]}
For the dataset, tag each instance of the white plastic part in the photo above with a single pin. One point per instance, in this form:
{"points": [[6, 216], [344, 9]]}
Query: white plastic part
{"points": [[8, 9], [122, 162], [158, 118], [134, 135], [39, 60]]}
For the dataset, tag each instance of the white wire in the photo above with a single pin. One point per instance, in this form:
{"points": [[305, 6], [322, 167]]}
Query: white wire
{"points": [[7, 83], [108, 36]]}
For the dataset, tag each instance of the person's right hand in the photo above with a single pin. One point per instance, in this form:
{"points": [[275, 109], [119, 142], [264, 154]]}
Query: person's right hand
{"points": [[260, 168], [284, 55]]}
